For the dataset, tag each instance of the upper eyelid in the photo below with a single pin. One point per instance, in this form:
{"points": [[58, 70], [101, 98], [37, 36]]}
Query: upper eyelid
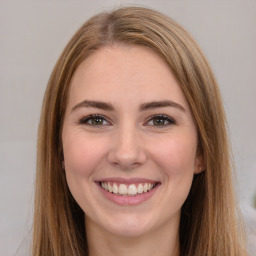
{"points": [[161, 116], [93, 116]]}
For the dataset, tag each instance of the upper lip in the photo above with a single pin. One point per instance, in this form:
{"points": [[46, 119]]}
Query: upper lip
{"points": [[127, 180]]}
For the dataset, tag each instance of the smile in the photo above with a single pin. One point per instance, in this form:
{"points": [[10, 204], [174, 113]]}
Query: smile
{"points": [[127, 189]]}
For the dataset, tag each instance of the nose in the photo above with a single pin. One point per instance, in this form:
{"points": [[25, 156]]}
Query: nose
{"points": [[127, 151]]}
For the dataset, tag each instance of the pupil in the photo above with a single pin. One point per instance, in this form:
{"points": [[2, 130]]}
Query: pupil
{"points": [[97, 121], [158, 121]]}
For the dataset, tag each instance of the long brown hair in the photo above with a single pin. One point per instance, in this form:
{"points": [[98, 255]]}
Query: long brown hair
{"points": [[209, 219]]}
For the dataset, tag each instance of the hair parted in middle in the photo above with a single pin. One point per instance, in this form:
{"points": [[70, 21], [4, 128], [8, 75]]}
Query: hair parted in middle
{"points": [[208, 223]]}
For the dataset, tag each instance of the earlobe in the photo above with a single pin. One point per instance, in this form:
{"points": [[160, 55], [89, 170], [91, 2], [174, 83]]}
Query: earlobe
{"points": [[199, 165], [199, 169]]}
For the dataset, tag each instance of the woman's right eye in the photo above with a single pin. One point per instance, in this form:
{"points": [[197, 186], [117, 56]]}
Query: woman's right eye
{"points": [[94, 120]]}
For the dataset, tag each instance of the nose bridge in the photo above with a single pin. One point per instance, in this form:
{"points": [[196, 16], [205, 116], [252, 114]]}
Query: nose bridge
{"points": [[128, 140], [127, 151]]}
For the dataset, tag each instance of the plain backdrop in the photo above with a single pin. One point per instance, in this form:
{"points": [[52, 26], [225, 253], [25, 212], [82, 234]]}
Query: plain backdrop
{"points": [[32, 36]]}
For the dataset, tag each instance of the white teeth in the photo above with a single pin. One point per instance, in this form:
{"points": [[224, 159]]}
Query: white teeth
{"points": [[124, 189], [132, 190], [115, 188], [140, 189], [110, 189], [145, 188], [104, 185]]}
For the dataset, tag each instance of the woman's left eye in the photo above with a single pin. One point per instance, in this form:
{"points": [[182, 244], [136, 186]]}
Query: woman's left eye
{"points": [[160, 120]]}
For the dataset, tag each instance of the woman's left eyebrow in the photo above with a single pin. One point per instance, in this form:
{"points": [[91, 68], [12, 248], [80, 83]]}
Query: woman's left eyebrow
{"points": [[161, 104]]}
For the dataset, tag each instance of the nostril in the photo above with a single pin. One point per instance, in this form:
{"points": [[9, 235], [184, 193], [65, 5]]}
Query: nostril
{"points": [[127, 159]]}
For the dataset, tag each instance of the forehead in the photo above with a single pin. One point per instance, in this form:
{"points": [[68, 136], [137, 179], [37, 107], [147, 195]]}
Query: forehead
{"points": [[124, 72]]}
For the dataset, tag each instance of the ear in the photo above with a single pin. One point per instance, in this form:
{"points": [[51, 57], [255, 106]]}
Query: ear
{"points": [[199, 164]]}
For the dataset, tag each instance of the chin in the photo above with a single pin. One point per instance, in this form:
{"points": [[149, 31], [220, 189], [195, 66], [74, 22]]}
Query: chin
{"points": [[130, 226]]}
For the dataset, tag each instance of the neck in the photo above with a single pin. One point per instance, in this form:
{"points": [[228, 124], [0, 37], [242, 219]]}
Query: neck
{"points": [[157, 242]]}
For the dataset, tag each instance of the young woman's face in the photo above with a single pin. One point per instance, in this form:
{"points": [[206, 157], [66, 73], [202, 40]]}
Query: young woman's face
{"points": [[129, 142]]}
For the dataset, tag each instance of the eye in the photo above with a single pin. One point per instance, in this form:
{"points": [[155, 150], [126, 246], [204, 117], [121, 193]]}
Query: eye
{"points": [[160, 120], [94, 120]]}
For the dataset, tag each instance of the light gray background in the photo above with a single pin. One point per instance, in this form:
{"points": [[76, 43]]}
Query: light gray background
{"points": [[32, 36]]}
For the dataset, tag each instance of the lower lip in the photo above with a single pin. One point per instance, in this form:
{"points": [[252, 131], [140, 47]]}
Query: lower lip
{"points": [[128, 200]]}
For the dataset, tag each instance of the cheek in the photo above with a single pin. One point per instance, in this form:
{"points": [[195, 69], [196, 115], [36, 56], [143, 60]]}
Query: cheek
{"points": [[81, 157], [176, 156], [81, 154], [176, 160]]}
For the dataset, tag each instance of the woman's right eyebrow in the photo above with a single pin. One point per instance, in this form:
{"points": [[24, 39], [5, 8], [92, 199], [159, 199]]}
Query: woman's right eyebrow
{"points": [[94, 104]]}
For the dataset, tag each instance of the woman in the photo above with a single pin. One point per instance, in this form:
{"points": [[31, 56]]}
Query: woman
{"points": [[133, 155]]}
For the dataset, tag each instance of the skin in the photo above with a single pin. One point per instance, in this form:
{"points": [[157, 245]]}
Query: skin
{"points": [[129, 143]]}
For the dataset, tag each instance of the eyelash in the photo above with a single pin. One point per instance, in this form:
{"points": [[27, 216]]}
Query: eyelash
{"points": [[85, 120], [164, 118]]}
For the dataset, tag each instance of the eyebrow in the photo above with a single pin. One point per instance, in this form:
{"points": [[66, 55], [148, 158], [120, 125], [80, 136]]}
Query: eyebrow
{"points": [[161, 104], [143, 107], [93, 104]]}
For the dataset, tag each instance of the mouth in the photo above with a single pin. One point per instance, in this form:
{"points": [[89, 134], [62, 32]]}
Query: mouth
{"points": [[128, 192], [127, 189]]}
